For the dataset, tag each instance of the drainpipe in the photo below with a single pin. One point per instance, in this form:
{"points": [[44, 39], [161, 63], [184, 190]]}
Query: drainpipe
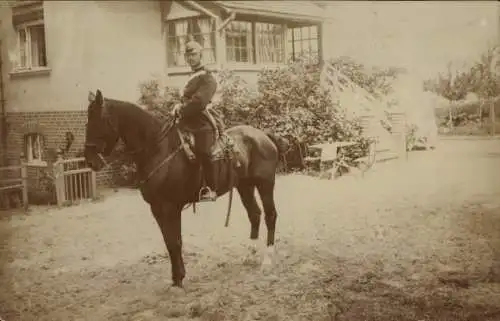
{"points": [[3, 133]]}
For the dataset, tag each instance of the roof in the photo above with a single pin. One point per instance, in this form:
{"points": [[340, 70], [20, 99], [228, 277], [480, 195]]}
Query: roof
{"points": [[302, 10]]}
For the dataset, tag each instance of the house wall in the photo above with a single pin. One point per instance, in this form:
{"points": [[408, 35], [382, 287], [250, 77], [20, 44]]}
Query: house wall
{"points": [[122, 46]]}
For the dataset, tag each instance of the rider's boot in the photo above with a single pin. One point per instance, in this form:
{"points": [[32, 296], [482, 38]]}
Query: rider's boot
{"points": [[209, 191]]}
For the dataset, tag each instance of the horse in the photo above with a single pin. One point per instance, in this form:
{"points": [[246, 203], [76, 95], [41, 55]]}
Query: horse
{"points": [[170, 177]]}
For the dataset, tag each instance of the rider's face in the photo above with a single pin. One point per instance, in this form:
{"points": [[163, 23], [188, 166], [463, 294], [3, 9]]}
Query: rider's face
{"points": [[193, 58]]}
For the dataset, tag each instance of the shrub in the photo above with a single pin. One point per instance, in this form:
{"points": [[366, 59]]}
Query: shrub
{"points": [[289, 101]]}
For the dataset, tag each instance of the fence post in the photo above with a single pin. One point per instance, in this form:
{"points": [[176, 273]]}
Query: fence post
{"points": [[24, 177], [58, 168], [93, 182]]}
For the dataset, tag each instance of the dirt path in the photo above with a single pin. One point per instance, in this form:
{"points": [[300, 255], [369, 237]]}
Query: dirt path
{"points": [[415, 241]]}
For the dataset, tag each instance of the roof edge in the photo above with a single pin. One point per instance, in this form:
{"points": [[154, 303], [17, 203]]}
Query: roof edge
{"points": [[272, 13]]}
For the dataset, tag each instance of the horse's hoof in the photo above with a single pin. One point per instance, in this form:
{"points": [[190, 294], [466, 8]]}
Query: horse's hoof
{"points": [[266, 267], [267, 262], [177, 290]]}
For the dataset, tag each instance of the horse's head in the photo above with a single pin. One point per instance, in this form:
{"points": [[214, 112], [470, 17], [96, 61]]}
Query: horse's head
{"points": [[101, 133]]}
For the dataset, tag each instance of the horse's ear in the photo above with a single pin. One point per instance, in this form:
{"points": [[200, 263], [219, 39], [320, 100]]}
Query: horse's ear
{"points": [[91, 96], [98, 97]]}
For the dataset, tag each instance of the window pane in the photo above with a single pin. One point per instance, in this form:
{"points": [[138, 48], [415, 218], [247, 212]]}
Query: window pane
{"points": [[289, 35], [297, 33], [35, 142], [38, 52], [314, 45], [269, 40], [314, 32], [171, 53], [202, 30], [239, 42], [29, 148], [305, 41], [170, 29], [22, 48]]}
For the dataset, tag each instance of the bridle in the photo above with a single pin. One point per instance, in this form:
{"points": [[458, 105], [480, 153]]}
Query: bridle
{"points": [[105, 117], [164, 131]]}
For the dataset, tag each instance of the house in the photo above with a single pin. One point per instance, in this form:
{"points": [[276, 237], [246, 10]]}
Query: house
{"points": [[54, 52]]}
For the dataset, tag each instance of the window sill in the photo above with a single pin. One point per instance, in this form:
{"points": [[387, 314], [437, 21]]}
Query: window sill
{"points": [[178, 70], [44, 71], [234, 66], [36, 163], [183, 70]]}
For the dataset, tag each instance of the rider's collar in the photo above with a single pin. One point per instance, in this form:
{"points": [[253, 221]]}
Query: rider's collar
{"points": [[200, 67]]}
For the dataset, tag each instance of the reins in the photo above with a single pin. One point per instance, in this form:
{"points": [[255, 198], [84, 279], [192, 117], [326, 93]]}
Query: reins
{"points": [[165, 130]]}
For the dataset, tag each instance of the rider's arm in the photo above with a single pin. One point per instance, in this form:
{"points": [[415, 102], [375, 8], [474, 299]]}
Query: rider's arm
{"points": [[201, 98]]}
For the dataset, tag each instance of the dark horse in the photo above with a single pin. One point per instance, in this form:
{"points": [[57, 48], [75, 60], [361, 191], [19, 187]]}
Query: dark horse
{"points": [[170, 179]]}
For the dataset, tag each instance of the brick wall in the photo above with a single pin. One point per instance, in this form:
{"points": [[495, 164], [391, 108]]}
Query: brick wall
{"points": [[53, 126]]}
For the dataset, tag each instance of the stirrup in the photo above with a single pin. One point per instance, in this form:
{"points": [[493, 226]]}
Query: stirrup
{"points": [[211, 197]]}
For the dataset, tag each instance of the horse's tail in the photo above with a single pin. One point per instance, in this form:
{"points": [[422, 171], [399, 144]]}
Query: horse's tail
{"points": [[282, 144]]}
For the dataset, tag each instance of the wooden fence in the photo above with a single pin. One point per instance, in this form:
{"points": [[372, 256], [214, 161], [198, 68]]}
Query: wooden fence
{"points": [[14, 179], [74, 181]]}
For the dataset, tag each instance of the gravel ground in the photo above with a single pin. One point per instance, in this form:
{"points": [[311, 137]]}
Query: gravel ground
{"points": [[415, 240]]}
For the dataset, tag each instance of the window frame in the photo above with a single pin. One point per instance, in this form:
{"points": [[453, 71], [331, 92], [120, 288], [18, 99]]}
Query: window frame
{"points": [[28, 148], [256, 59], [251, 51], [28, 49], [309, 39], [212, 34]]}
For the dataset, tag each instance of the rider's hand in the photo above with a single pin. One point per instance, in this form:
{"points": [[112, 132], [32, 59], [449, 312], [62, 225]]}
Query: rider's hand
{"points": [[176, 110]]}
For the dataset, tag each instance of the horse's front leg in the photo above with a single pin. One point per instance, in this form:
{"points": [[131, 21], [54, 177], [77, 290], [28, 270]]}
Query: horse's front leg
{"points": [[168, 217]]}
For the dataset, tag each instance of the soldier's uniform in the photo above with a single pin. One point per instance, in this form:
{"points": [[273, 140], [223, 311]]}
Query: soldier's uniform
{"points": [[196, 95]]}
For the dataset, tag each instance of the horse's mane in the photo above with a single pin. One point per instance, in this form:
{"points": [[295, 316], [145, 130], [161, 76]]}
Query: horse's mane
{"points": [[139, 117], [137, 122]]}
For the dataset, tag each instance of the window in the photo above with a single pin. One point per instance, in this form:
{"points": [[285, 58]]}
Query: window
{"points": [[303, 41], [239, 42], [255, 42], [28, 21], [179, 32], [31, 44], [270, 42], [33, 143]]}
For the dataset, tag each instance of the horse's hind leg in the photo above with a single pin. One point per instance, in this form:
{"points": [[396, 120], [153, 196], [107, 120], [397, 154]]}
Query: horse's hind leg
{"points": [[246, 189], [266, 192]]}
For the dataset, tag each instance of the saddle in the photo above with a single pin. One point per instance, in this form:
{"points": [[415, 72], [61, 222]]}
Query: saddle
{"points": [[224, 146]]}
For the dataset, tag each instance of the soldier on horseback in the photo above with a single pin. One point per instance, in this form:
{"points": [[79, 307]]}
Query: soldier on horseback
{"points": [[196, 95]]}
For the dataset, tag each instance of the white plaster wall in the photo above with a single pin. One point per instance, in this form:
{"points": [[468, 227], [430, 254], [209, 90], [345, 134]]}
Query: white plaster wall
{"points": [[110, 45]]}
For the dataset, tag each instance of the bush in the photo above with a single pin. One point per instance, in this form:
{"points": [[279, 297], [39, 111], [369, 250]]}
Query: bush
{"points": [[289, 101]]}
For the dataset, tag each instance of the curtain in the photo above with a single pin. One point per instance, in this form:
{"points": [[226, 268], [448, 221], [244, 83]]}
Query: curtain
{"points": [[35, 46], [22, 49], [207, 39], [270, 43], [239, 42], [181, 30]]}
